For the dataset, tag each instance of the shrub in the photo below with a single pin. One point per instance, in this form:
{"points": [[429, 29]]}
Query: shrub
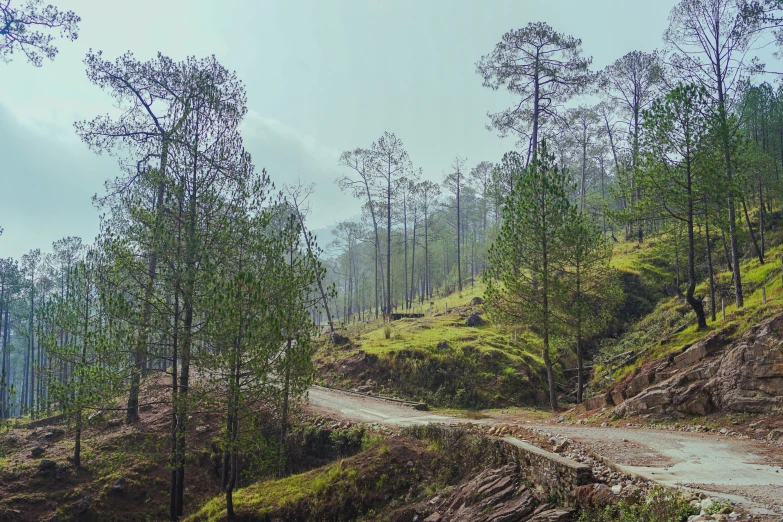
{"points": [[661, 505]]}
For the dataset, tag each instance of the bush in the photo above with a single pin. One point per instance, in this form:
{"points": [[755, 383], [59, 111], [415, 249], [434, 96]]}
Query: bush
{"points": [[661, 505], [387, 331]]}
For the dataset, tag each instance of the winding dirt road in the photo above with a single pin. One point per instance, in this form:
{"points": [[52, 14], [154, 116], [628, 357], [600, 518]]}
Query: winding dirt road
{"points": [[739, 470]]}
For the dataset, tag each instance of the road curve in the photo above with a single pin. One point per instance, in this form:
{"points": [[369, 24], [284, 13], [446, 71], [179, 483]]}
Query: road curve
{"points": [[738, 470]]}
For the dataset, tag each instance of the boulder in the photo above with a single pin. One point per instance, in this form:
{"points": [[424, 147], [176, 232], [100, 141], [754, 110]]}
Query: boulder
{"points": [[476, 301], [83, 504], [339, 339], [60, 471], [595, 496], [46, 466], [474, 319], [37, 452], [118, 488]]}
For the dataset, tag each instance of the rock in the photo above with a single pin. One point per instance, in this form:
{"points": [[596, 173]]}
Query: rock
{"points": [[616, 489], [37, 452], [95, 416], [46, 466], [113, 423], [715, 374], [595, 496], [83, 504], [476, 301], [118, 488], [202, 429], [474, 319], [775, 434], [339, 339], [60, 471], [435, 517]]}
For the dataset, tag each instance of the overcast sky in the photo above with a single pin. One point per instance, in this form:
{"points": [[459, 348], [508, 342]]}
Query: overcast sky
{"points": [[322, 76]]}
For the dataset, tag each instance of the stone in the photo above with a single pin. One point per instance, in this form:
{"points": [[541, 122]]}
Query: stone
{"points": [[775, 434], [595, 495], [339, 339], [60, 471], [83, 504], [476, 301], [715, 374], [37, 452], [118, 488], [46, 466], [616, 489], [202, 429], [474, 319], [113, 423], [435, 517]]}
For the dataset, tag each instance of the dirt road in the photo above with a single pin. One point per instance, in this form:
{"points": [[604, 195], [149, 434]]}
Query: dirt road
{"points": [[738, 470], [369, 410]]}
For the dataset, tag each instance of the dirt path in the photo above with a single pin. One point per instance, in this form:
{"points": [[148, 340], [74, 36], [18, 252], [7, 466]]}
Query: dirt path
{"points": [[738, 470]]}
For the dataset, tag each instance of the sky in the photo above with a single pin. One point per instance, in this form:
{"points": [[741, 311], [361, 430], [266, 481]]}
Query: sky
{"points": [[322, 76]]}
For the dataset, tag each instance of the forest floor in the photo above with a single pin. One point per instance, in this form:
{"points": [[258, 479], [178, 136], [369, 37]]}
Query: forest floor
{"points": [[744, 471]]}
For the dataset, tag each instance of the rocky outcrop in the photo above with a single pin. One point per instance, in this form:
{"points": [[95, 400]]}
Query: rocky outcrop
{"points": [[495, 495], [714, 374]]}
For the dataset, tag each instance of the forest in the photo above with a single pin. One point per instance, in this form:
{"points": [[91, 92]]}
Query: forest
{"points": [[207, 280]]}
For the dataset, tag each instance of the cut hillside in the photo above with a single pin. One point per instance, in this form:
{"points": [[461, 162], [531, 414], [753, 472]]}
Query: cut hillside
{"points": [[425, 473], [666, 344]]}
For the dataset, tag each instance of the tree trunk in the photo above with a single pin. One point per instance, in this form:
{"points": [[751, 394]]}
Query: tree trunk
{"points": [[459, 226], [710, 271], [759, 253], [139, 354]]}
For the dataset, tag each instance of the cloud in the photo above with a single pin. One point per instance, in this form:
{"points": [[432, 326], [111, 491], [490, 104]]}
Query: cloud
{"points": [[289, 155], [49, 179], [47, 188]]}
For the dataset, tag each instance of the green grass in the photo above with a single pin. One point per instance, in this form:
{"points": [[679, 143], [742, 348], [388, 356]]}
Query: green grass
{"points": [[654, 334], [264, 498]]}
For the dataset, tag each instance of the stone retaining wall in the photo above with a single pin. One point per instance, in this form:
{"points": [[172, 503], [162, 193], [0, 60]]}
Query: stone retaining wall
{"points": [[549, 473]]}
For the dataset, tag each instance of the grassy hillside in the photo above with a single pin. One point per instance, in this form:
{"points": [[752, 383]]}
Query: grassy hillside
{"points": [[672, 324], [439, 360]]}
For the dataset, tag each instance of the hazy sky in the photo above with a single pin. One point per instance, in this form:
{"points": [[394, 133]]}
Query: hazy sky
{"points": [[322, 76]]}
